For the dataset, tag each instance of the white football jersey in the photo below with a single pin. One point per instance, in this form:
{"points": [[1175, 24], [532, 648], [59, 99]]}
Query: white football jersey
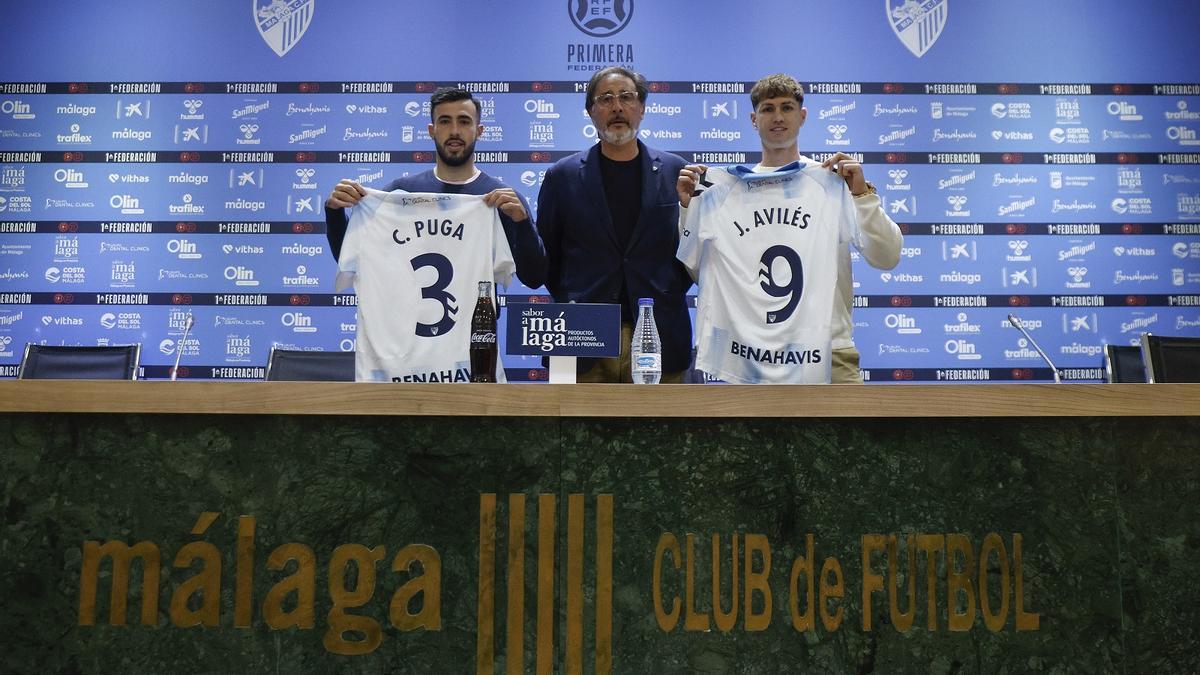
{"points": [[415, 260], [764, 249]]}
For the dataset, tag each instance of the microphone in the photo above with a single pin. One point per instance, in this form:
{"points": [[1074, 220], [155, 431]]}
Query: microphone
{"points": [[187, 327], [1017, 324]]}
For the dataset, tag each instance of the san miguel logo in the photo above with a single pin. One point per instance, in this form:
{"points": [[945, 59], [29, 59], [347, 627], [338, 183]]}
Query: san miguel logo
{"points": [[918, 23], [282, 23], [600, 18]]}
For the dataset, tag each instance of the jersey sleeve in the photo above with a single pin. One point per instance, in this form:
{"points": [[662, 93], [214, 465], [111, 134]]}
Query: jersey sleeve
{"points": [[695, 227], [848, 230], [877, 236], [503, 264], [348, 258]]}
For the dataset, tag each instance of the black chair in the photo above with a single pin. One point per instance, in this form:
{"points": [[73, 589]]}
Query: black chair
{"points": [[50, 362], [1171, 358], [290, 365], [1123, 363]]}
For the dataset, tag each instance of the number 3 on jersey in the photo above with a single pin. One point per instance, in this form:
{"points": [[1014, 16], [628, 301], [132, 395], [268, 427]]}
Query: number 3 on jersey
{"points": [[437, 291], [792, 290]]}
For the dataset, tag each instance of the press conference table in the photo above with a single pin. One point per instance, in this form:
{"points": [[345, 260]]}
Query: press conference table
{"points": [[599, 400], [574, 528]]}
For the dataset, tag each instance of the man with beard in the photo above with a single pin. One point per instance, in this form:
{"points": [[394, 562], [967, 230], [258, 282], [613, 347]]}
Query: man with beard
{"points": [[454, 129], [607, 216]]}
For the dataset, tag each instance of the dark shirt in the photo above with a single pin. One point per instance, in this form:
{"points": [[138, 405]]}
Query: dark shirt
{"points": [[623, 193], [528, 252]]}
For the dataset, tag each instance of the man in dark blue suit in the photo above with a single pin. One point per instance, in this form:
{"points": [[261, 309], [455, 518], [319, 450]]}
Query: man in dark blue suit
{"points": [[608, 218]]}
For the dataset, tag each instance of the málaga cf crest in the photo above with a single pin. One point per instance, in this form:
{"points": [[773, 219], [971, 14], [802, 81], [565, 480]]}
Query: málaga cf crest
{"points": [[917, 23], [282, 23]]}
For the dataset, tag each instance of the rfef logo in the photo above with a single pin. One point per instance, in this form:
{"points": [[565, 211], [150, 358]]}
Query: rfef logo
{"points": [[599, 18]]}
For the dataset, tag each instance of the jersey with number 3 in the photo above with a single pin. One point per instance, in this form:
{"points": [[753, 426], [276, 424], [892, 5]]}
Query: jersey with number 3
{"points": [[415, 260], [764, 248]]}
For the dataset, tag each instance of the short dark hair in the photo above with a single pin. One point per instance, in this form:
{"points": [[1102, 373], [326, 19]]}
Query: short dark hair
{"points": [[776, 86], [452, 94], [639, 83]]}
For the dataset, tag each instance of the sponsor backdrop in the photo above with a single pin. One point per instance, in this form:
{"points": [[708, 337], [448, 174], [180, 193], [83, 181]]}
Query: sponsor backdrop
{"points": [[165, 158]]}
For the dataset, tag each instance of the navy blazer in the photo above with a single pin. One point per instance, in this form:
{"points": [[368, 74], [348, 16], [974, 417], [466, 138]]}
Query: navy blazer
{"points": [[587, 265]]}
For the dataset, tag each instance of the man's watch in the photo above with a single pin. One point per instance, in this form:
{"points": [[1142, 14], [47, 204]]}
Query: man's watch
{"points": [[869, 191]]}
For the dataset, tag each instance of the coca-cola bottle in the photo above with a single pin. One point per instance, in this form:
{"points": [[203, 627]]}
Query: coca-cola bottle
{"points": [[483, 336]]}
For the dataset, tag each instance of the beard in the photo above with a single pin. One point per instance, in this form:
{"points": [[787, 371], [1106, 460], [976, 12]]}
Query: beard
{"points": [[455, 160], [618, 137]]}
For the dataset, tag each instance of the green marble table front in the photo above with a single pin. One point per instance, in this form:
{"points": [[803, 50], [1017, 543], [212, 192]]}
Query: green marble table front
{"points": [[503, 544]]}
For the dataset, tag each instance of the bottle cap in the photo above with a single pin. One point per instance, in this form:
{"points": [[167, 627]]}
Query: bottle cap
{"points": [[645, 302]]}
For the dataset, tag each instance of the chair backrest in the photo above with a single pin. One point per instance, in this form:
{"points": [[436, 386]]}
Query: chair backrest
{"points": [[53, 362], [1123, 363], [1171, 358], [300, 366]]}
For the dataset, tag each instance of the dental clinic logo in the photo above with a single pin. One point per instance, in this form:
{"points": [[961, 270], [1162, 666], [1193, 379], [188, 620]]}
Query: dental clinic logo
{"points": [[282, 23], [600, 18], [917, 24]]}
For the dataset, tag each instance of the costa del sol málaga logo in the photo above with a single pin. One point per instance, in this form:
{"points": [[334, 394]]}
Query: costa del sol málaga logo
{"points": [[282, 23], [600, 18], [918, 23]]}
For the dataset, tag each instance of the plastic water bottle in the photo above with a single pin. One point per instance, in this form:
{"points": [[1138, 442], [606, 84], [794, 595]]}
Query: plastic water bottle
{"points": [[645, 353]]}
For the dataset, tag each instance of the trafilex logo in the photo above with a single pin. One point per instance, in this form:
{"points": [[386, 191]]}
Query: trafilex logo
{"points": [[962, 326], [188, 206], [1023, 351], [75, 136], [301, 278]]}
